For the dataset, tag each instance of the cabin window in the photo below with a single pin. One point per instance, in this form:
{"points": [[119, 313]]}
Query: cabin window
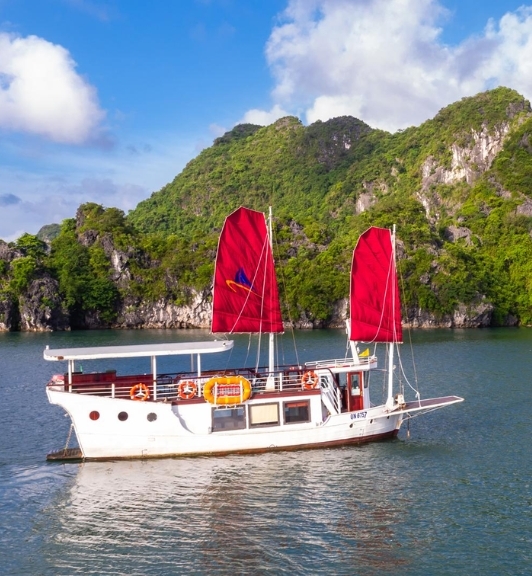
{"points": [[264, 414], [296, 412], [228, 419], [356, 381], [341, 380]]}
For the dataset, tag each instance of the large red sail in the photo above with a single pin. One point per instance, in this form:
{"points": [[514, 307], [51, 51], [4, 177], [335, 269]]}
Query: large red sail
{"points": [[246, 298], [375, 303]]}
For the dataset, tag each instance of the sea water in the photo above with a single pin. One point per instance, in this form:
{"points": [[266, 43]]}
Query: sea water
{"points": [[452, 497]]}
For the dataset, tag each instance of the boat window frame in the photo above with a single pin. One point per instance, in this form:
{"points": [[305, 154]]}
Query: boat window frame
{"points": [[264, 424], [301, 404], [242, 423], [360, 377]]}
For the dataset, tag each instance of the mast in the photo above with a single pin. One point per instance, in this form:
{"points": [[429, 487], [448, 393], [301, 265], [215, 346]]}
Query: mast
{"points": [[271, 351], [391, 345]]}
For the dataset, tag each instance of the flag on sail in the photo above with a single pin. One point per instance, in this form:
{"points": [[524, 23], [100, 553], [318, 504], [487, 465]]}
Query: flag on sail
{"points": [[245, 296], [375, 306]]}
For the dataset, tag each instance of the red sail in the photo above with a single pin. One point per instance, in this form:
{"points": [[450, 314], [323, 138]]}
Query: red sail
{"points": [[245, 296], [375, 303]]}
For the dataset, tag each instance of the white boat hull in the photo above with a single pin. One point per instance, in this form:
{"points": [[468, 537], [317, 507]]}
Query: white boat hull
{"points": [[164, 429]]}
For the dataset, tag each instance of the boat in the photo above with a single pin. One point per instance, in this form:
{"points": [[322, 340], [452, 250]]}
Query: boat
{"points": [[197, 410]]}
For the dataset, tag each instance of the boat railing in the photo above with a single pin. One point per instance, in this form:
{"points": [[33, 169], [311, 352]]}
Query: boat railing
{"points": [[169, 387], [341, 363], [112, 386], [277, 382]]}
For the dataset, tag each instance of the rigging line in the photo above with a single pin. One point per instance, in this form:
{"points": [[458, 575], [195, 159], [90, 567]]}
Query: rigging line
{"points": [[287, 303], [393, 263], [228, 358], [257, 361], [423, 412], [415, 388], [264, 260], [248, 350], [390, 268], [248, 294], [265, 278]]}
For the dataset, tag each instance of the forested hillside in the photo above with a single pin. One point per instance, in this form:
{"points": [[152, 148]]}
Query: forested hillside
{"points": [[458, 188]]}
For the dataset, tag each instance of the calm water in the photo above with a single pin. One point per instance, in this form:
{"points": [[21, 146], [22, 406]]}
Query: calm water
{"points": [[454, 498]]}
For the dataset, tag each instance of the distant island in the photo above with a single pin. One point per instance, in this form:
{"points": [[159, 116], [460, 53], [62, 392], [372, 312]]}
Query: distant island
{"points": [[458, 188]]}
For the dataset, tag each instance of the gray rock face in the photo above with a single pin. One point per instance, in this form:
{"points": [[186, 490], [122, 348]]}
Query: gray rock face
{"points": [[8, 253], [163, 314], [467, 164], [476, 316], [9, 314], [41, 308], [454, 233]]}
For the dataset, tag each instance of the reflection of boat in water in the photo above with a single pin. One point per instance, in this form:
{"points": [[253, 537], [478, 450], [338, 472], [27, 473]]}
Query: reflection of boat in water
{"points": [[317, 403], [233, 514]]}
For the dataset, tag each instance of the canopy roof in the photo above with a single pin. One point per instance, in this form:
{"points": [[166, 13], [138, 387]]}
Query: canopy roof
{"points": [[138, 351]]}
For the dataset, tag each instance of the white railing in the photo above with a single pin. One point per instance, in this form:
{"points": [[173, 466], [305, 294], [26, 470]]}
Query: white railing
{"points": [[340, 362], [167, 386]]}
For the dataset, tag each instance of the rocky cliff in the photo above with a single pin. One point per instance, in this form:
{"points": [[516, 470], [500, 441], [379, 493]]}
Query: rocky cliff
{"points": [[41, 308], [459, 188]]}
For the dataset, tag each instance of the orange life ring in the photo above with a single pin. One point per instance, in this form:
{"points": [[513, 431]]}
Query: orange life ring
{"points": [[310, 380], [139, 392], [227, 390], [187, 390]]}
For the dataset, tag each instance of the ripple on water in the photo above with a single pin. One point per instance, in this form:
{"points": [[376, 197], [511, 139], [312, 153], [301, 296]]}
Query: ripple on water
{"points": [[454, 498]]}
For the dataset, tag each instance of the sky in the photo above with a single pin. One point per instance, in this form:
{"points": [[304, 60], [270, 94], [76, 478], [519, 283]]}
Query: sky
{"points": [[107, 100]]}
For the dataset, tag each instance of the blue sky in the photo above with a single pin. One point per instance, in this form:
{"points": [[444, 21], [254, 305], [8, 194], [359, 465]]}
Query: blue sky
{"points": [[107, 100]]}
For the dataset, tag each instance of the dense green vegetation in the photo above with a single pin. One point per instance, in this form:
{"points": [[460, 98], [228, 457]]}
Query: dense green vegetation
{"points": [[463, 216]]}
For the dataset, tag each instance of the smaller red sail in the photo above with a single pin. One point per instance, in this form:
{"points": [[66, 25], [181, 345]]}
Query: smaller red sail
{"points": [[375, 302], [245, 297]]}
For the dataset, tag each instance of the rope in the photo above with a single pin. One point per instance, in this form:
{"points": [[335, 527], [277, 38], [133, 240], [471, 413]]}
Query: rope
{"points": [[68, 437], [286, 301], [414, 388]]}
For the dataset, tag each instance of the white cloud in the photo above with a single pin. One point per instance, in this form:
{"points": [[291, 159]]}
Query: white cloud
{"points": [[51, 200], [216, 130], [383, 61], [60, 179], [41, 93], [510, 62], [263, 117]]}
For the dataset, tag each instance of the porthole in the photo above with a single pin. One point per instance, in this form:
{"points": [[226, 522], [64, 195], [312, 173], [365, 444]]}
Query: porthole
{"points": [[123, 416], [152, 417], [94, 415]]}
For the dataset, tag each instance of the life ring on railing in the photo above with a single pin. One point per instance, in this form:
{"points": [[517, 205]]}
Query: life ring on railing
{"points": [[310, 380], [227, 390], [187, 390], [139, 392]]}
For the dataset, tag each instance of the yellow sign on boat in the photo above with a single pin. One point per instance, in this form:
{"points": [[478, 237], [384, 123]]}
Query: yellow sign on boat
{"points": [[227, 390]]}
